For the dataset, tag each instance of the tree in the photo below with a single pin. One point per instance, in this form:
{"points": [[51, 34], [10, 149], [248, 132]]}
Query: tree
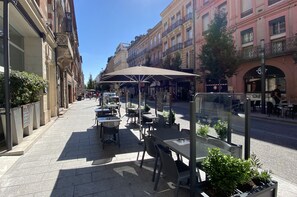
{"points": [[91, 83], [176, 62], [218, 55], [167, 62], [147, 60]]}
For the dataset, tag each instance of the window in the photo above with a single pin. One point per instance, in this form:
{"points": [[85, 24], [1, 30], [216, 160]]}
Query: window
{"points": [[205, 22], [178, 16], [278, 46], [172, 19], [277, 26], [270, 2], [205, 2], [179, 38], [189, 8], [16, 44], [223, 7], [247, 36], [165, 26], [159, 38], [165, 46], [189, 33], [247, 52], [173, 41], [246, 8]]}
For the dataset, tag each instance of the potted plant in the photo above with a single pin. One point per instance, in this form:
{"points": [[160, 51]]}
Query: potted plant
{"points": [[169, 117], [221, 128], [230, 176], [203, 130], [25, 88]]}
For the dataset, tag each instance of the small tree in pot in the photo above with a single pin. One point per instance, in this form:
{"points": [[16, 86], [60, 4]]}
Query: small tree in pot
{"points": [[221, 128]]}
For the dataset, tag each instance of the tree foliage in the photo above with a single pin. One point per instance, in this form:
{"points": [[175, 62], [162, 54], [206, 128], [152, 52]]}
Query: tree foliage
{"points": [[172, 63], [176, 62], [167, 62], [218, 54], [91, 83]]}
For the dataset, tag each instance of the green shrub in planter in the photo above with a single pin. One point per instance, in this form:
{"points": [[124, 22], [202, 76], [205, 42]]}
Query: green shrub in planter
{"points": [[24, 88], [221, 128], [203, 130], [226, 172]]}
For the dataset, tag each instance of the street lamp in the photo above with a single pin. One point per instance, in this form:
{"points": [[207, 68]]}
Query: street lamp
{"points": [[262, 52]]}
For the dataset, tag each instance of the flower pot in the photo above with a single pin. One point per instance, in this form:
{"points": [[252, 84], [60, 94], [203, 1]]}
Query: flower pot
{"points": [[16, 125], [27, 111], [36, 115], [265, 190]]}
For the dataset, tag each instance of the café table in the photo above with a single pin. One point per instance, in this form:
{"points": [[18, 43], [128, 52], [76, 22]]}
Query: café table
{"points": [[165, 133], [105, 119]]}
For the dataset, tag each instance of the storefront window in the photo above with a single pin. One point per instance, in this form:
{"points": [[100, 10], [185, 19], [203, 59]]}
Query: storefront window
{"points": [[16, 48]]}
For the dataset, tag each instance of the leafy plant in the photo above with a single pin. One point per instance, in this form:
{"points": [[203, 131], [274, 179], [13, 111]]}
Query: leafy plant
{"points": [[203, 130], [169, 116], [24, 88], [258, 174], [221, 128], [226, 172]]}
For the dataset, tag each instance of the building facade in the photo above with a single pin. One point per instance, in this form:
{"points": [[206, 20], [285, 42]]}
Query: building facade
{"points": [[120, 57], [273, 22], [43, 40], [178, 42], [154, 55]]}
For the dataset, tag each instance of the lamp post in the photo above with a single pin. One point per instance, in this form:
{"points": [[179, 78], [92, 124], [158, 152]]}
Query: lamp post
{"points": [[6, 72], [263, 85]]}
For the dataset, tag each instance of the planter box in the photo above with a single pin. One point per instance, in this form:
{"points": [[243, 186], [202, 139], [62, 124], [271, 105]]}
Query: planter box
{"points": [[27, 112], [266, 190], [16, 125], [36, 115]]}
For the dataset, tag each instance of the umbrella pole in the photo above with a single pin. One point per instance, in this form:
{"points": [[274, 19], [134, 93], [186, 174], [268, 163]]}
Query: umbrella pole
{"points": [[139, 110]]}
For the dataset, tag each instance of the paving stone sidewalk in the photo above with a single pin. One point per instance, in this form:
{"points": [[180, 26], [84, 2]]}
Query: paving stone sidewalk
{"points": [[68, 160]]}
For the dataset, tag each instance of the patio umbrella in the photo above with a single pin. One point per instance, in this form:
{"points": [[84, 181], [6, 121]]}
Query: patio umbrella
{"points": [[142, 74]]}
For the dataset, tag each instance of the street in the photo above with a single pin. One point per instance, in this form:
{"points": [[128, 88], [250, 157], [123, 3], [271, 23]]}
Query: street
{"points": [[273, 141]]}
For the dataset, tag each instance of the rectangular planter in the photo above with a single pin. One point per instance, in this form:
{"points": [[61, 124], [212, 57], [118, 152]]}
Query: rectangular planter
{"points": [[267, 190], [16, 125], [27, 112], [36, 115]]}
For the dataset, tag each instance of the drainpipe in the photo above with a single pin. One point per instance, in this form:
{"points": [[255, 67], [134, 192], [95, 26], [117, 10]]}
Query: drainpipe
{"points": [[6, 72]]}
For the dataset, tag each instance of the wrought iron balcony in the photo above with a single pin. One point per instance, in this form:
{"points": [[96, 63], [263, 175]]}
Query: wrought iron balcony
{"points": [[272, 49], [246, 13], [188, 17], [173, 49], [65, 51], [188, 42], [172, 27]]}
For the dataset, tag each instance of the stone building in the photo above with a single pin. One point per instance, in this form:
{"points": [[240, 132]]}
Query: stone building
{"points": [[273, 22]]}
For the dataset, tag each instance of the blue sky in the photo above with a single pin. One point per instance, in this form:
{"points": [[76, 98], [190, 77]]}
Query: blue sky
{"points": [[103, 24]]}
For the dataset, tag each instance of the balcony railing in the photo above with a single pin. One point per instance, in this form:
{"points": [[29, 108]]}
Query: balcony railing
{"points": [[270, 2], [272, 49], [246, 13], [188, 17], [173, 49], [188, 43], [172, 27]]}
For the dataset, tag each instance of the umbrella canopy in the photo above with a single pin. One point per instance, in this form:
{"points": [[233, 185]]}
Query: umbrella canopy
{"points": [[144, 73]]}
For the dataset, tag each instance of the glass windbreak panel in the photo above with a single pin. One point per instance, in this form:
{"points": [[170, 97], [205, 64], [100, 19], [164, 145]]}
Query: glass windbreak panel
{"points": [[220, 110], [1, 55]]}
